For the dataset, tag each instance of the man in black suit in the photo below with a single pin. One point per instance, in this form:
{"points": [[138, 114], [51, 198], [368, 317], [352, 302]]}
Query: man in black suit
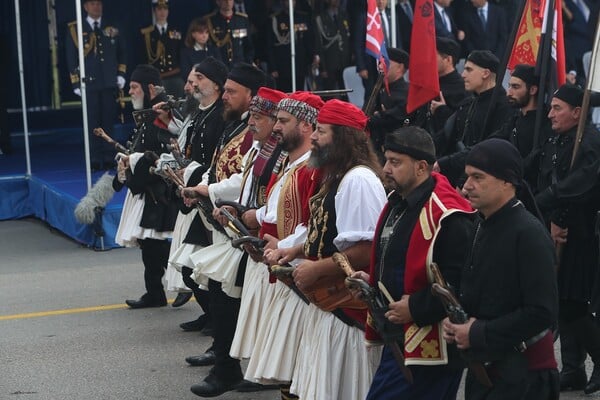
{"points": [[444, 21], [404, 16], [485, 27]]}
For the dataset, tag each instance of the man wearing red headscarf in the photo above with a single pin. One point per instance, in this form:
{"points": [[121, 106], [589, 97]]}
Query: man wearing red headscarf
{"points": [[343, 216], [283, 222]]}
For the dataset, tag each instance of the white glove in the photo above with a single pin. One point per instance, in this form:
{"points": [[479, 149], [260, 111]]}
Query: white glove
{"points": [[77, 91], [120, 82]]}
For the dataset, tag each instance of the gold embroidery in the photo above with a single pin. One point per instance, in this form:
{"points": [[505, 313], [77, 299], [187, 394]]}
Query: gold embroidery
{"points": [[89, 45], [211, 31], [429, 349], [427, 233], [414, 335], [160, 47], [229, 160]]}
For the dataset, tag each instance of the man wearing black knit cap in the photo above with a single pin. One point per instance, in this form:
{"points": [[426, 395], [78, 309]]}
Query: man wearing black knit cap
{"points": [[475, 119], [568, 196], [241, 85], [522, 94], [152, 232], [452, 86], [391, 111], [508, 287]]}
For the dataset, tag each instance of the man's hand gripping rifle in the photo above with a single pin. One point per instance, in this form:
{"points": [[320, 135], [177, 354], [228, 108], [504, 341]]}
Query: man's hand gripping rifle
{"points": [[255, 246], [457, 315], [118, 146], [377, 308]]}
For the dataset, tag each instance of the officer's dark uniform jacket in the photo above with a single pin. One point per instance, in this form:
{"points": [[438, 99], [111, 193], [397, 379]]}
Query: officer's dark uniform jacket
{"points": [[279, 58], [231, 36], [103, 52], [162, 50], [333, 41]]}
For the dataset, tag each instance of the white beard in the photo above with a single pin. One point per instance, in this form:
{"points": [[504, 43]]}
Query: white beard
{"points": [[138, 104]]}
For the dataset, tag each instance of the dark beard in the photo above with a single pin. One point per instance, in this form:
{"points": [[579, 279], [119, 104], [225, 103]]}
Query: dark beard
{"points": [[319, 156], [522, 103], [231, 115], [190, 105], [292, 142]]}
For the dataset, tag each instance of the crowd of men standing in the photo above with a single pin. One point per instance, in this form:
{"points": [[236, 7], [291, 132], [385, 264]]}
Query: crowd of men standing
{"points": [[261, 203]]}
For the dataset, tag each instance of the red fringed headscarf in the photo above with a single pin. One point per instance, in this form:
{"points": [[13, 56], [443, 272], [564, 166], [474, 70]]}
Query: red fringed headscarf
{"points": [[337, 112]]}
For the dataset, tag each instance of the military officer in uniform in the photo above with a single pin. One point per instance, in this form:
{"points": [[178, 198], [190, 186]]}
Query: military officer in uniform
{"points": [[105, 69], [230, 32], [332, 44], [279, 55], [162, 44]]}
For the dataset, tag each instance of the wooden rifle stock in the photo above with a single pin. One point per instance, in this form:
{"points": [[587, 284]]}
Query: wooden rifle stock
{"points": [[457, 315], [369, 106], [118, 146]]}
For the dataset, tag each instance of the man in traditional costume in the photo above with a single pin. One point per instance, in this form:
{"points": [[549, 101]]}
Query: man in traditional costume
{"points": [[424, 221], [149, 211]]}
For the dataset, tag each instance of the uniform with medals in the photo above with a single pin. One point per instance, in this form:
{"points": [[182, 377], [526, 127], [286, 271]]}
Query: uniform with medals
{"points": [[333, 46], [231, 36], [279, 55], [105, 68], [162, 45]]}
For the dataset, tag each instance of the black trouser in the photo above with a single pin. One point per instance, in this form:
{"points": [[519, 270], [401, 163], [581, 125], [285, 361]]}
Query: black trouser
{"points": [[201, 296], [579, 335], [225, 310], [155, 255], [102, 113]]}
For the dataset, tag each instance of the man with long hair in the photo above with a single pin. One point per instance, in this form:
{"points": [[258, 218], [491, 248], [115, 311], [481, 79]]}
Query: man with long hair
{"points": [[343, 216]]}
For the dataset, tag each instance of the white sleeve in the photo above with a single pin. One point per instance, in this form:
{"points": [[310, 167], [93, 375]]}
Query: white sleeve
{"points": [[175, 126], [296, 238], [358, 203], [260, 215], [228, 189]]}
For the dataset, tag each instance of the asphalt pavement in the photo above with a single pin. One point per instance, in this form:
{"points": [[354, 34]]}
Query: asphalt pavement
{"points": [[66, 334]]}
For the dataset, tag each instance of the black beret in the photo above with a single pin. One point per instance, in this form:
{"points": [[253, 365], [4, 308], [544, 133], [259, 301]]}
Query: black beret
{"points": [[499, 158], [484, 59], [571, 94], [213, 69], [146, 74], [248, 76], [448, 47], [526, 73], [398, 55]]}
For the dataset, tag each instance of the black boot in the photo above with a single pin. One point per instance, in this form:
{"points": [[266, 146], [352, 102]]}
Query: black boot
{"points": [[572, 375], [588, 333]]}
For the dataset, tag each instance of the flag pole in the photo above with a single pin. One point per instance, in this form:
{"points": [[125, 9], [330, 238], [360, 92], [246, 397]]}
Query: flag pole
{"points": [[504, 63], [543, 59], [585, 105]]}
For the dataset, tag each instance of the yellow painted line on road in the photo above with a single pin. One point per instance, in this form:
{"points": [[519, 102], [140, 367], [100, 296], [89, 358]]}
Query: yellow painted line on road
{"points": [[66, 312]]}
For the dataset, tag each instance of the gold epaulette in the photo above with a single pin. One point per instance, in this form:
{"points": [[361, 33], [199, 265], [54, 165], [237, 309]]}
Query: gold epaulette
{"points": [[147, 29], [241, 14]]}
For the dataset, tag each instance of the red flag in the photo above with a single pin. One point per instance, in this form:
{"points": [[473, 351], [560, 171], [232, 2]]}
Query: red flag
{"points": [[375, 38], [424, 84], [527, 40], [558, 44]]}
